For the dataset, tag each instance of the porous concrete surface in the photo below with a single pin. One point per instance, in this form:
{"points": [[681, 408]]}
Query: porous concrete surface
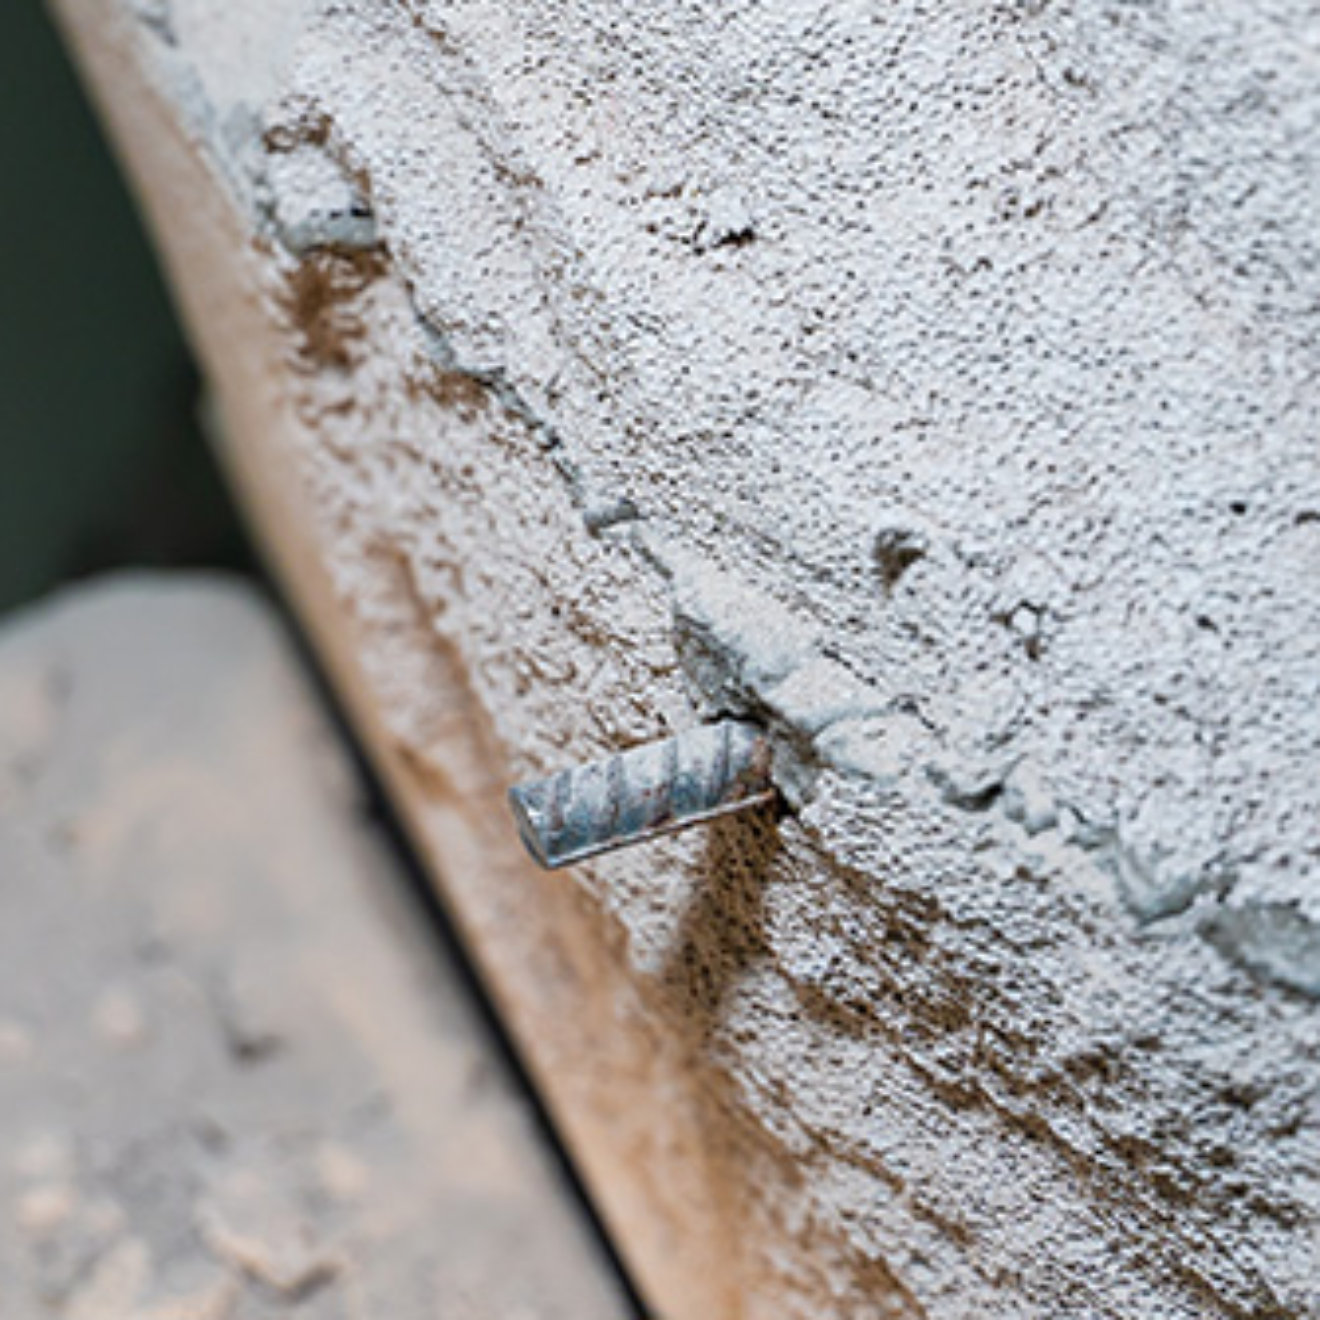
{"points": [[237, 1079], [937, 386]]}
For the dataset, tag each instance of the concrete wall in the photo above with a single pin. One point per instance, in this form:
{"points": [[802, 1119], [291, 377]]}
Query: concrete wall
{"points": [[937, 388]]}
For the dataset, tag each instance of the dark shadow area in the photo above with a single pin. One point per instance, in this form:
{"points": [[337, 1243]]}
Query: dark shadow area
{"points": [[102, 462], [722, 933]]}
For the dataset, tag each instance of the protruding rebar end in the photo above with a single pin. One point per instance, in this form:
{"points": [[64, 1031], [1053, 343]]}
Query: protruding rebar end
{"points": [[529, 817], [710, 771]]}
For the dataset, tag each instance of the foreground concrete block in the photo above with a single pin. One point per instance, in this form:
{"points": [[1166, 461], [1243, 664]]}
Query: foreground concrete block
{"points": [[237, 1079], [934, 387]]}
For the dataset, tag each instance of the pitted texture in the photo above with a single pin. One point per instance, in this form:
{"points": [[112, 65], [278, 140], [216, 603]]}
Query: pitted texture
{"points": [[935, 386], [1033, 289]]}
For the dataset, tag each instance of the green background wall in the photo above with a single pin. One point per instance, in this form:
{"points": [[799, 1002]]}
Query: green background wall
{"points": [[101, 460]]}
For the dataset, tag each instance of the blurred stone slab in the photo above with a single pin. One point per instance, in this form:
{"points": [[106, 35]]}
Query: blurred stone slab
{"points": [[236, 1079]]}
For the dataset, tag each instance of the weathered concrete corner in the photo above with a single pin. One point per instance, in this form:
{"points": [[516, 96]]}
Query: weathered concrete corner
{"points": [[936, 388]]}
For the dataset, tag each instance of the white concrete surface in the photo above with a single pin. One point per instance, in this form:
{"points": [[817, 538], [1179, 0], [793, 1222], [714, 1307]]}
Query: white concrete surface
{"points": [[937, 386]]}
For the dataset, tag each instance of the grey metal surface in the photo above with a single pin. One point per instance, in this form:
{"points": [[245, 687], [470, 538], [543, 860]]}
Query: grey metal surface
{"points": [[657, 788]]}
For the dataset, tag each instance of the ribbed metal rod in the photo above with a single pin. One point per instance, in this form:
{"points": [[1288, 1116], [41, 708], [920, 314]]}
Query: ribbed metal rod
{"points": [[709, 771]]}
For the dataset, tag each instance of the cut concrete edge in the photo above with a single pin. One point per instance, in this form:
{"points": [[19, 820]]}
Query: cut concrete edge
{"points": [[671, 1235], [226, 588]]}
